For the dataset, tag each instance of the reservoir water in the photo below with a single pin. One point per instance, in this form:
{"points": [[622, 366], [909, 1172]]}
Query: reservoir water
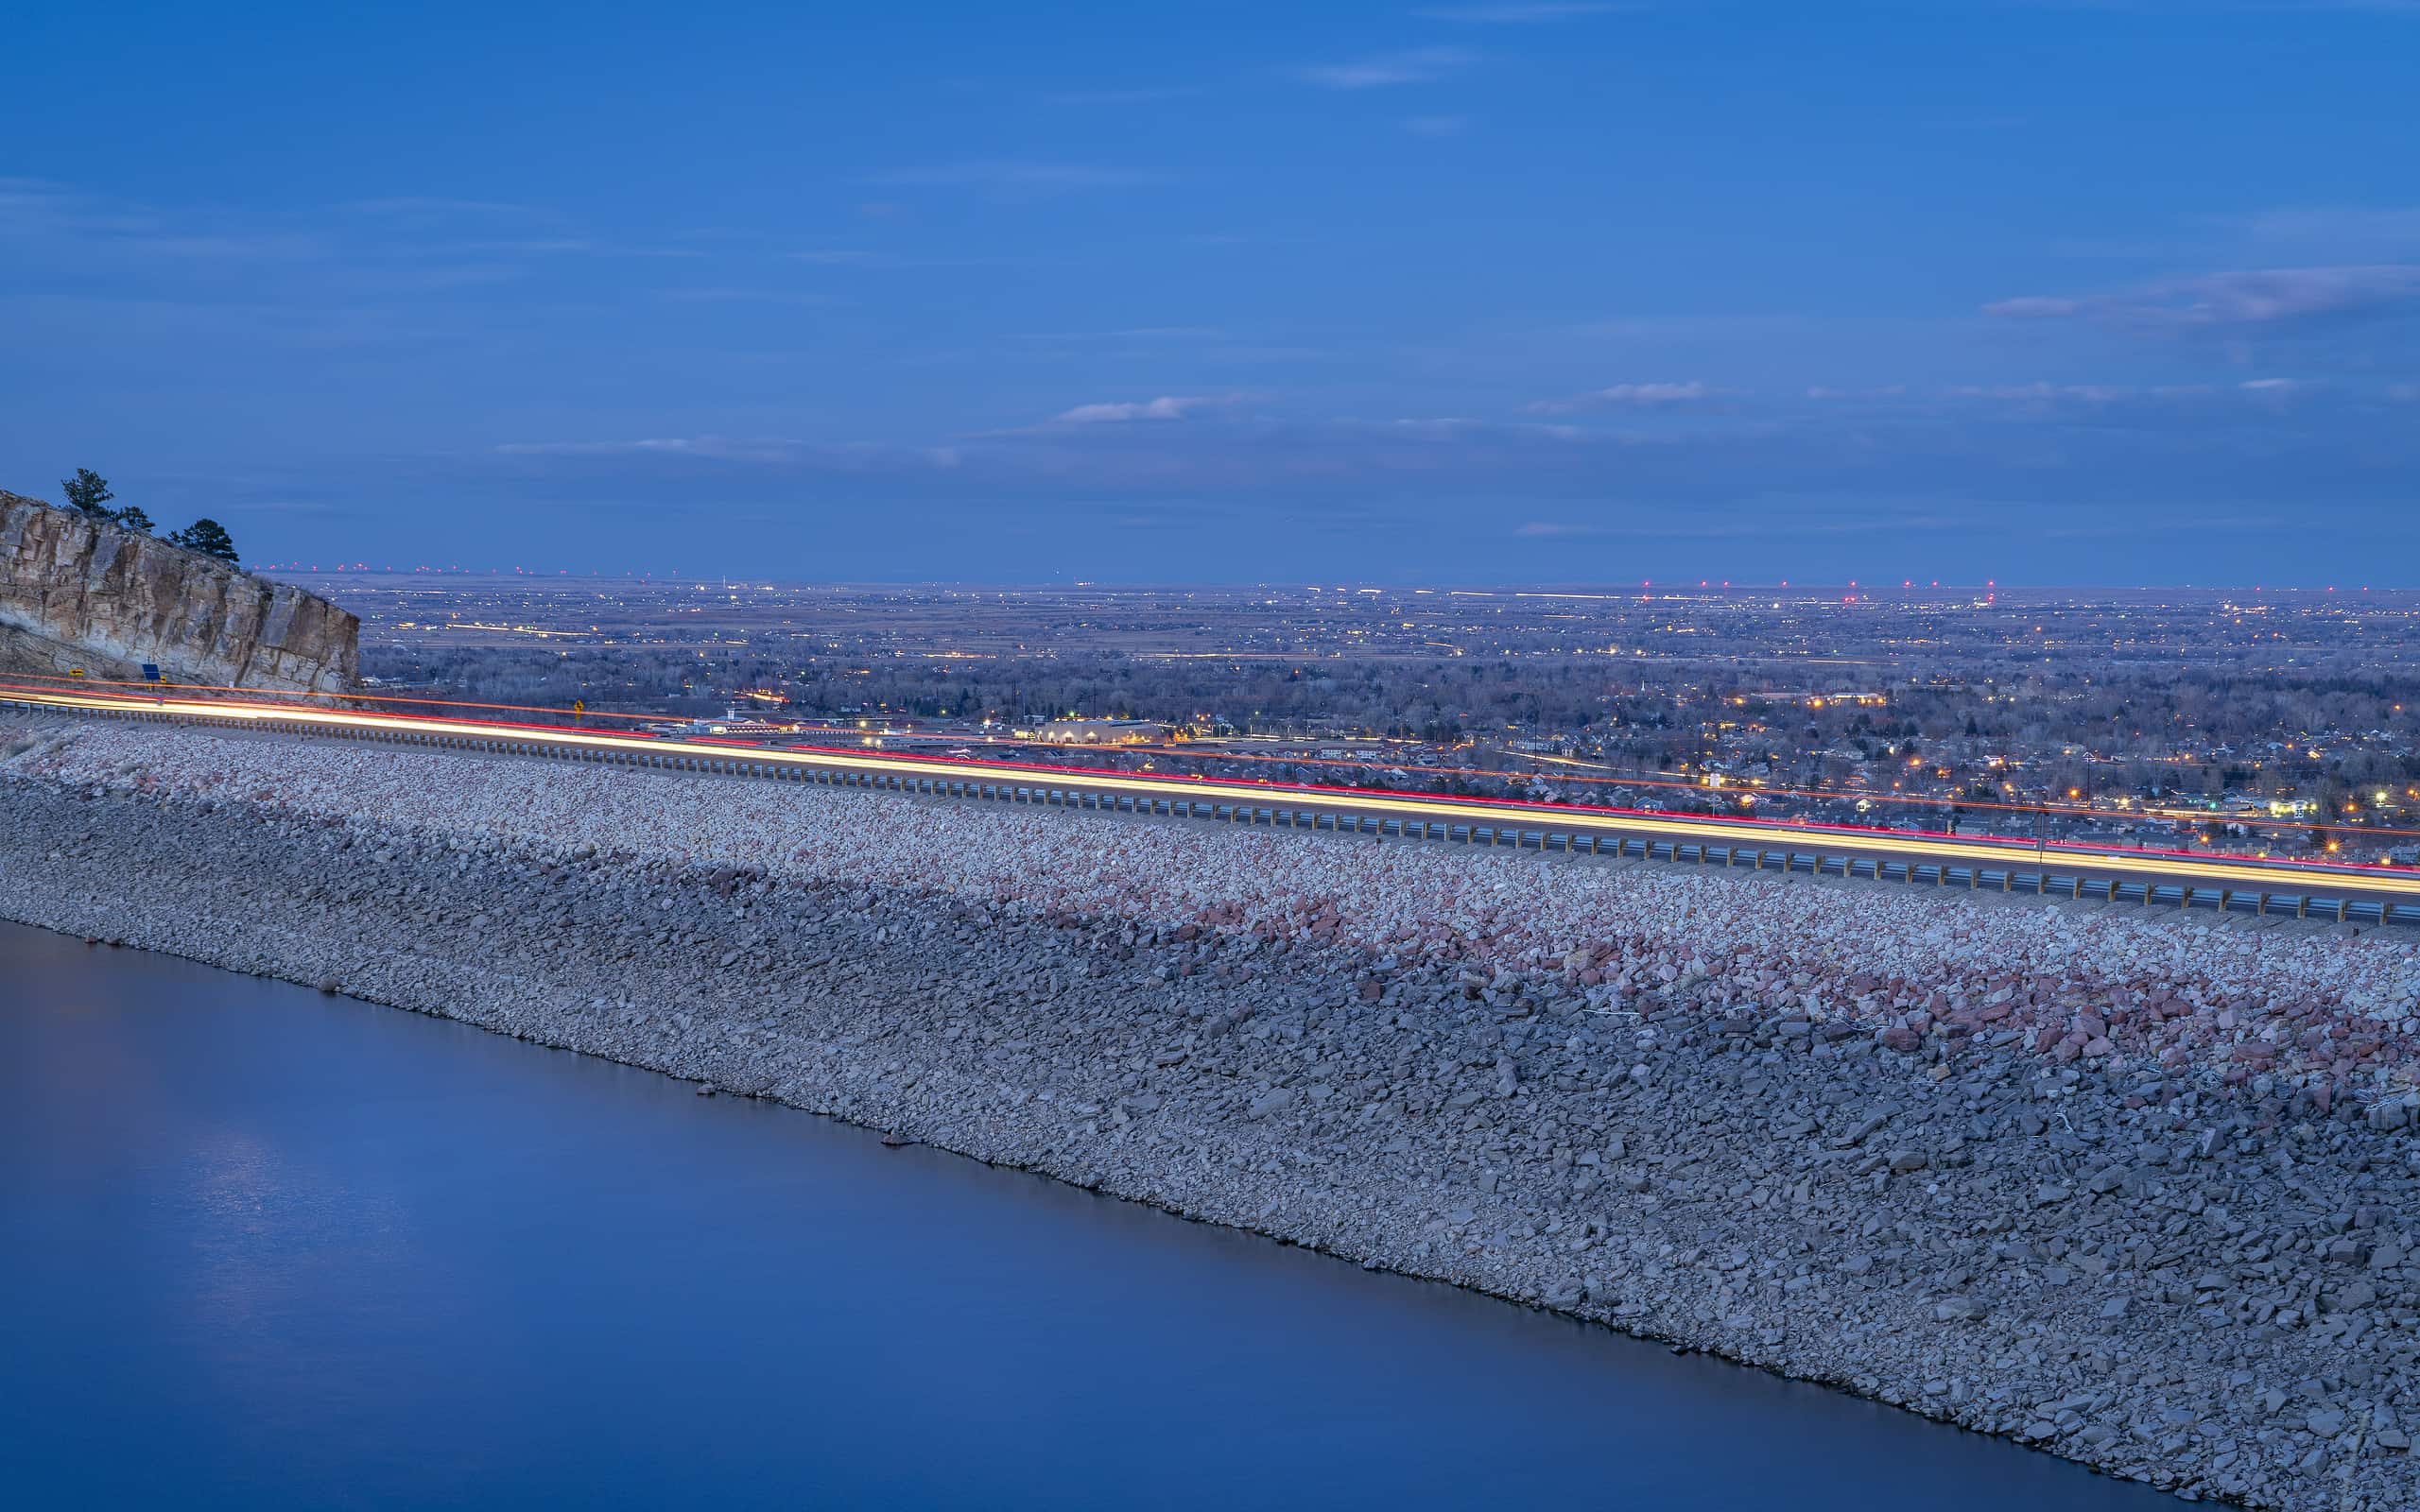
{"points": [[265, 1248]]}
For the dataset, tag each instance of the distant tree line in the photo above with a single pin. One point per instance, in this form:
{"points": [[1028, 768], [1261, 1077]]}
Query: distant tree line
{"points": [[88, 493]]}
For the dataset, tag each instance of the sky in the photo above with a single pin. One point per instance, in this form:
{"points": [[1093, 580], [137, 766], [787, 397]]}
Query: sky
{"points": [[1478, 290]]}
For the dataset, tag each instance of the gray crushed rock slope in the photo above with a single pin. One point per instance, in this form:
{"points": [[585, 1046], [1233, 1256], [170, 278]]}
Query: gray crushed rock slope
{"points": [[2152, 1270]]}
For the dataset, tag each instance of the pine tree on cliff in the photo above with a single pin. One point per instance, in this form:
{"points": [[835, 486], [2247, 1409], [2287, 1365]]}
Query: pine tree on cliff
{"points": [[208, 537], [88, 493], [135, 519]]}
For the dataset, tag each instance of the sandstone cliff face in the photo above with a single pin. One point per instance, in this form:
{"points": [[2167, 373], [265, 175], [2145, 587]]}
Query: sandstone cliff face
{"points": [[80, 592]]}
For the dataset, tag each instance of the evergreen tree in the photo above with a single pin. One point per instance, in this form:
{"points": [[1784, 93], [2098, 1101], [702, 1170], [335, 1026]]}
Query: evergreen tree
{"points": [[88, 493], [208, 537], [135, 519]]}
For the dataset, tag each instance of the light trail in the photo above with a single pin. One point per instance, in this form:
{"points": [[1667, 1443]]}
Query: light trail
{"points": [[2157, 868], [1684, 785], [431, 703]]}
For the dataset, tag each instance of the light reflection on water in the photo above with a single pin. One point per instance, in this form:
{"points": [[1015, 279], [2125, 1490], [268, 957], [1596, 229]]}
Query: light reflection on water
{"points": [[264, 1248]]}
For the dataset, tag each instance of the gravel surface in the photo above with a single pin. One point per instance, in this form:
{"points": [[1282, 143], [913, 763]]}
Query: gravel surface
{"points": [[2134, 1187]]}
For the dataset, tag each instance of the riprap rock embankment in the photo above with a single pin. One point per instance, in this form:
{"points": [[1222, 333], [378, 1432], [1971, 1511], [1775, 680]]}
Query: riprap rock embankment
{"points": [[1614, 1093]]}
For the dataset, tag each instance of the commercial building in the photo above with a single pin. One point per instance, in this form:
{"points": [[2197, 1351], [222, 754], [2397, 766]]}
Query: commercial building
{"points": [[1103, 733]]}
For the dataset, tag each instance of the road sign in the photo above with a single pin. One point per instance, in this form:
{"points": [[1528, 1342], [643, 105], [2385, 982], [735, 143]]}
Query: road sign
{"points": [[75, 672], [150, 672]]}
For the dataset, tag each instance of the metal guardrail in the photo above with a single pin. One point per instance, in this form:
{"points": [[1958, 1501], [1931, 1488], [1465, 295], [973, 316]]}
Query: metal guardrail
{"points": [[1936, 862]]}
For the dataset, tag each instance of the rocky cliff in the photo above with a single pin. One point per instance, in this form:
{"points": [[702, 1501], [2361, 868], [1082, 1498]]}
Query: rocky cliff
{"points": [[81, 593]]}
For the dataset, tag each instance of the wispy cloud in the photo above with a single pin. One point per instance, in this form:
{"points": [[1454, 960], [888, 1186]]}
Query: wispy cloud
{"points": [[777, 452], [2248, 298], [2151, 407], [2046, 392], [1551, 529], [1635, 396], [1168, 406], [1420, 65], [2064, 460], [763, 450]]}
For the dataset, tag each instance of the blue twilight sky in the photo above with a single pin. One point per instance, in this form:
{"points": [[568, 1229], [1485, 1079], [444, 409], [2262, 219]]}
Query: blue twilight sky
{"points": [[1477, 289]]}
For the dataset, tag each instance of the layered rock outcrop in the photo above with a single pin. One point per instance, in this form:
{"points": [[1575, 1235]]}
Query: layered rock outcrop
{"points": [[81, 593]]}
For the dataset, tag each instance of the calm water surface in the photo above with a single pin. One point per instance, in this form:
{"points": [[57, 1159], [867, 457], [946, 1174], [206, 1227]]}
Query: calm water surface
{"points": [[264, 1248]]}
